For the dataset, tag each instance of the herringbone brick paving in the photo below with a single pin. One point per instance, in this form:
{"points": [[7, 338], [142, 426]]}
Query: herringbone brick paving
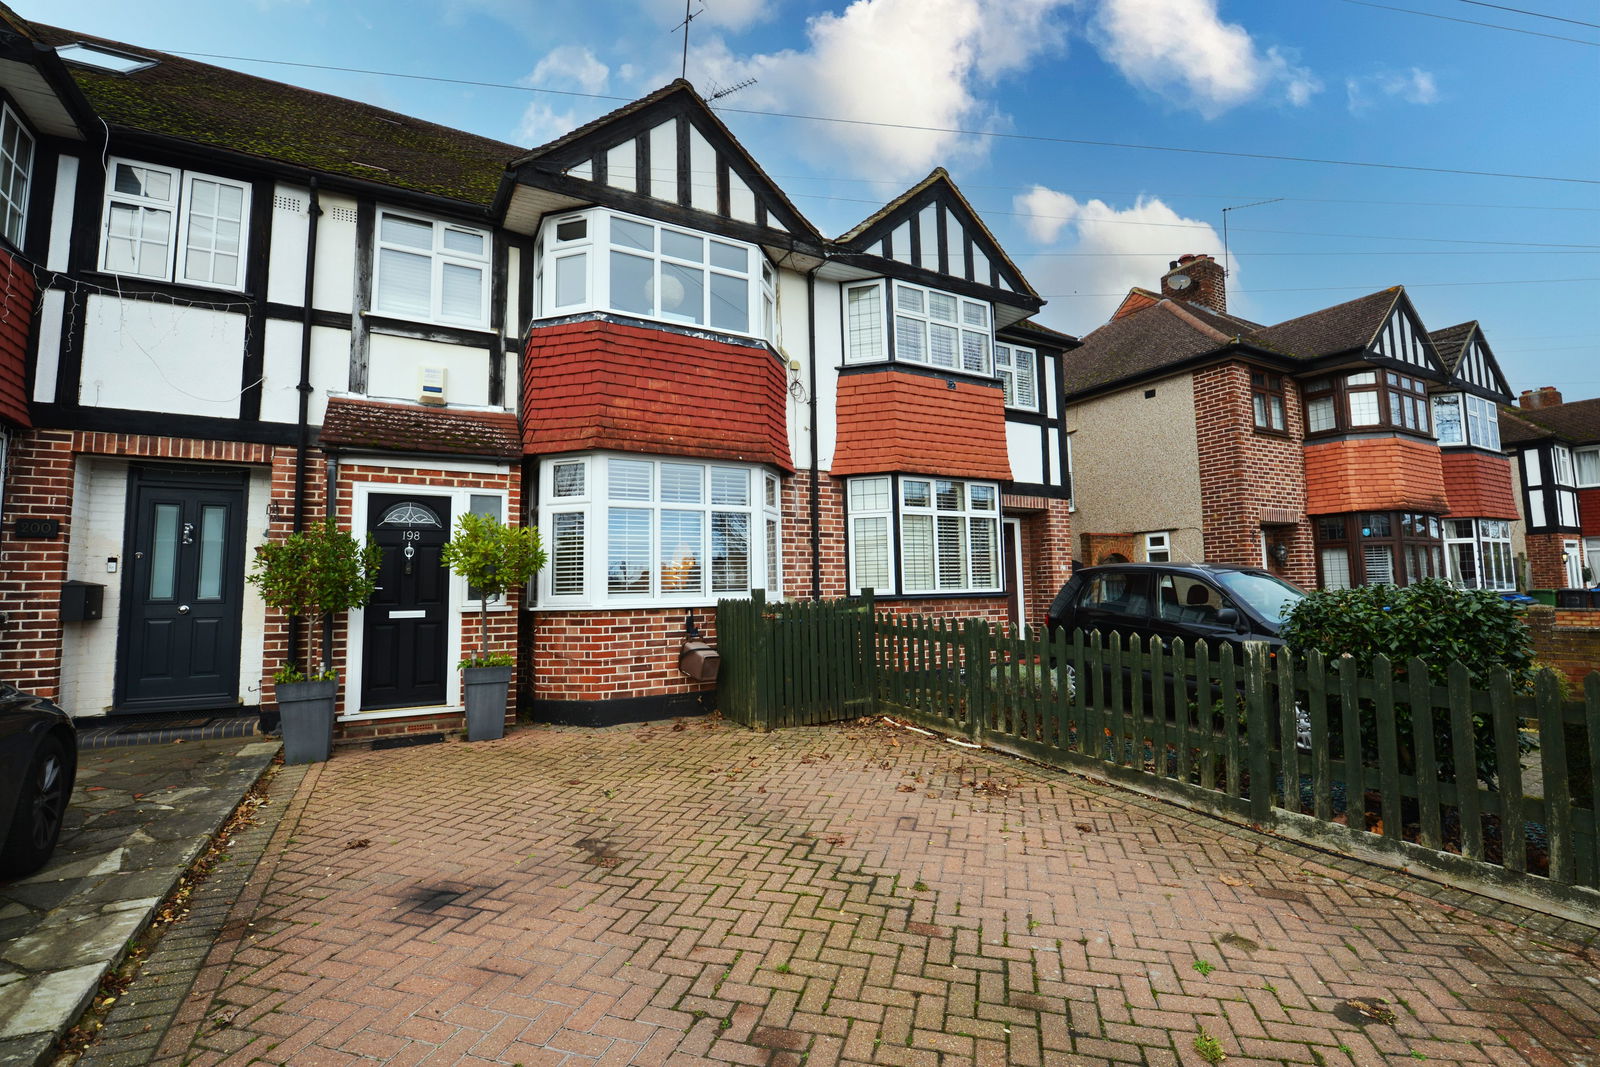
{"points": [[696, 893]]}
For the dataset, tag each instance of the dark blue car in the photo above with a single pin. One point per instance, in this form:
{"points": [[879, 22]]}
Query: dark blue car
{"points": [[38, 766]]}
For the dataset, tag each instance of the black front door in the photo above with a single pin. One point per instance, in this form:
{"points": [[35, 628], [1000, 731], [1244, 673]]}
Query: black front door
{"points": [[407, 620], [183, 587]]}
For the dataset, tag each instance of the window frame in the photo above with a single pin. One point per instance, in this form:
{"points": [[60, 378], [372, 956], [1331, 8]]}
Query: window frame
{"points": [[1011, 373], [1408, 552], [762, 510], [1265, 388], [598, 245], [9, 119], [898, 510], [1579, 455], [1158, 541], [1387, 387], [1489, 544], [925, 317], [177, 206], [439, 256]]}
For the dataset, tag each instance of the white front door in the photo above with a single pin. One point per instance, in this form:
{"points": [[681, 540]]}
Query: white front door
{"points": [[1572, 555]]}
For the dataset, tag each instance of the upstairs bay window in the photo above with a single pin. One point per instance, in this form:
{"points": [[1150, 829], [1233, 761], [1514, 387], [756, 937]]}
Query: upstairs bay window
{"points": [[947, 532], [925, 326], [601, 260], [1366, 399], [431, 270], [171, 225], [1464, 419], [627, 531]]}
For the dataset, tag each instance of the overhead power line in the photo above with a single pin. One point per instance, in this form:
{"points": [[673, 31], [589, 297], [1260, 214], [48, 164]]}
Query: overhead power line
{"points": [[991, 134], [1473, 22], [1349, 288], [1533, 14]]}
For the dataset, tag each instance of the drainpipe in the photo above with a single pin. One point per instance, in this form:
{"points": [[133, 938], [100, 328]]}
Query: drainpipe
{"points": [[303, 434], [811, 360], [331, 472]]}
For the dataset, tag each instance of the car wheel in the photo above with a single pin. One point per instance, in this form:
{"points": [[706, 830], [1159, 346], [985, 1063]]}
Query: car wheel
{"points": [[36, 825]]}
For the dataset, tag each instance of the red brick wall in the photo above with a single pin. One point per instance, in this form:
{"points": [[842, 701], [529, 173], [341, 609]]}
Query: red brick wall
{"points": [[16, 320], [1046, 557], [611, 654], [1248, 477], [1546, 563], [1478, 485], [1569, 641], [897, 421], [1374, 474], [594, 384], [1589, 512], [1100, 547], [797, 536]]}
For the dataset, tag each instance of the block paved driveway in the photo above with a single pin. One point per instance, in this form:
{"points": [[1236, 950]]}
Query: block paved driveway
{"points": [[698, 893]]}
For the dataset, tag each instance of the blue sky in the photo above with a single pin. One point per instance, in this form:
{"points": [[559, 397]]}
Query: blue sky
{"points": [[1329, 79]]}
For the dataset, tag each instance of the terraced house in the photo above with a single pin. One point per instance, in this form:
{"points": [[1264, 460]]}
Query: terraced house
{"points": [[1344, 447], [262, 305], [1555, 446]]}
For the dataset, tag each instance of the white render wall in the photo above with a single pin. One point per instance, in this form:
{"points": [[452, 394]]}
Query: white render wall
{"points": [[150, 355]]}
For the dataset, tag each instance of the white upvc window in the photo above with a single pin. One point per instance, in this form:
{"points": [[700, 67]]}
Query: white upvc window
{"points": [[1464, 419], [1587, 464], [1561, 465], [1158, 547], [1017, 369], [1477, 553], [171, 225], [430, 270], [947, 530], [604, 260], [16, 174], [634, 531], [927, 326]]}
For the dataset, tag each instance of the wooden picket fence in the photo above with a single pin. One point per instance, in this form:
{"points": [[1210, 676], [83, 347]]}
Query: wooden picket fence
{"points": [[1373, 757]]}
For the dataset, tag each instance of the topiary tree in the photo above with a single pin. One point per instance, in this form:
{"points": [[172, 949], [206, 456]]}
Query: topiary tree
{"points": [[312, 573], [496, 558], [1431, 620]]}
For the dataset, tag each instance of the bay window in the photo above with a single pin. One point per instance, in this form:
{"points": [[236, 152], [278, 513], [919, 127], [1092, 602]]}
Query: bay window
{"points": [[602, 260], [926, 326], [1464, 419], [172, 225], [1478, 553], [1361, 399], [431, 270], [640, 531], [916, 535], [1378, 548]]}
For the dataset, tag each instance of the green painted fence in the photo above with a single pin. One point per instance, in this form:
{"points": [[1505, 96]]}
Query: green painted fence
{"points": [[1385, 757]]}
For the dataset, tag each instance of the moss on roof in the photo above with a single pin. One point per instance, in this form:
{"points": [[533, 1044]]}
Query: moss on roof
{"points": [[225, 109]]}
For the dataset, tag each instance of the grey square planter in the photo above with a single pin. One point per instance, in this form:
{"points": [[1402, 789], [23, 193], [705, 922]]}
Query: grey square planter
{"points": [[307, 712], [486, 689]]}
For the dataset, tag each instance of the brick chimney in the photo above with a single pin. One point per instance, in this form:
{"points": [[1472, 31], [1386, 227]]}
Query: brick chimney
{"points": [[1206, 283], [1547, 396]]}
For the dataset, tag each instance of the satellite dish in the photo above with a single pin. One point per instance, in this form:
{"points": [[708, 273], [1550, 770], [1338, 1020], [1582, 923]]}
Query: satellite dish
{"points": [[1179, 282]]}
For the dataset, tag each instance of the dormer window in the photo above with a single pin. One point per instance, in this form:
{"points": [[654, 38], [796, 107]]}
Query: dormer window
{"points": [[1464, 419], [602, 260], [928, 327]]}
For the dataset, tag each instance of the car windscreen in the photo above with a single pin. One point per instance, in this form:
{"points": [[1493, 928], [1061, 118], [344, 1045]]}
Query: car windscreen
{"points": [[1269, 597]]}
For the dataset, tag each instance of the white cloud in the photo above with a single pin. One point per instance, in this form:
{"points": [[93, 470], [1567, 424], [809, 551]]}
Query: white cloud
{"points": [[1413, 86], [1117, 249], [1184, 51], [570, 68], [914, 62]]}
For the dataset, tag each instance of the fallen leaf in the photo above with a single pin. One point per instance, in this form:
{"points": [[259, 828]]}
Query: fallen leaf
{"points": [[1372, 1008], [906, 789], [360, 842], [1228, 879]]}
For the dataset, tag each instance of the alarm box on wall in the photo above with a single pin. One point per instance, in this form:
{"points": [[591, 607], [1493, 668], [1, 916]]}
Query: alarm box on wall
{"points": [[430, 386]]}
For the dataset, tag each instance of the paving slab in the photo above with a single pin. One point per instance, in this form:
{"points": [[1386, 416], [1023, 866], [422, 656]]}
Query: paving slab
{"points": [[695, 893], [139, 817]]}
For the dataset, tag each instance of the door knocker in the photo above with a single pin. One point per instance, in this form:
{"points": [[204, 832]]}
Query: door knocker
{"points": [[410, 551]]}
